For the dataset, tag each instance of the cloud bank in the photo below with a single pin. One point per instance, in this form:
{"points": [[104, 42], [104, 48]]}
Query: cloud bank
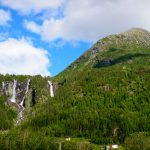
{"points": [[21, 57], [93, 19]]}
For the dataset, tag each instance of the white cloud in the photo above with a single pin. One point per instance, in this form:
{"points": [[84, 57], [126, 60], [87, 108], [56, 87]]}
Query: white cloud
{"points": [[32, 26], [93, 19], [31, 5], [5, 17], [21, 57]]}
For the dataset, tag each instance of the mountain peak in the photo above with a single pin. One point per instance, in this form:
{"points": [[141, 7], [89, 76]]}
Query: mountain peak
{"points": [[137, 30], [134, 32], [134, 37]]}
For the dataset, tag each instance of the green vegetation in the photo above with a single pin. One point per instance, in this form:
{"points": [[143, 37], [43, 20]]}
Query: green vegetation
{"points": [[138, 141], [7, 115], [95, 103], [103, 97], [25, 140]]}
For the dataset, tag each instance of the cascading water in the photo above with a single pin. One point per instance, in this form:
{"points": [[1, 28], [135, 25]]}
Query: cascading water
{"points": [[27, 88], [28, 83], [51, 88], [21, 104], [13, 99]]}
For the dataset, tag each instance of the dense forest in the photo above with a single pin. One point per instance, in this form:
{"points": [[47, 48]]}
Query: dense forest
{"points": [[102, 98]]}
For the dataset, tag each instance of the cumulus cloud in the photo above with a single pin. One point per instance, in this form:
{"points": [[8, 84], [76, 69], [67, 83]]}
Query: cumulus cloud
{"points": [[5, 17], [93, 19], [21, 57], [31, 5]]}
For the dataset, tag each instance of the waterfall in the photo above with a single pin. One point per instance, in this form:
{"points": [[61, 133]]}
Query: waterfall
{"points": [[51, 88], [13, 99], [27, 88], [20, 115]]}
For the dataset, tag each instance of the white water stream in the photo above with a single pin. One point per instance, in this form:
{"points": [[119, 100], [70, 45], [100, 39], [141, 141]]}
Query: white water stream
{"points": [[27, 88], [20, 106], [51, 88], [13, 99]]}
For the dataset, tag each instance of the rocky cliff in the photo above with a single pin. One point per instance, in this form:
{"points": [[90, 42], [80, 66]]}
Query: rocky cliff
{"points": [[21, 95]]}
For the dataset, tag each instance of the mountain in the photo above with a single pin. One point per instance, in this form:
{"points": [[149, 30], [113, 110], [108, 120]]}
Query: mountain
{"points": [[135, 38], [103, 96]]}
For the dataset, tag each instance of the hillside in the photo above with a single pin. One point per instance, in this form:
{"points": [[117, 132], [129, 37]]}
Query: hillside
{"points": [[103, 96]]}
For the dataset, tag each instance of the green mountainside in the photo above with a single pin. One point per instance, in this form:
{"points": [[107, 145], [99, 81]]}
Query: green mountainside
{"points": [[102, 98]]}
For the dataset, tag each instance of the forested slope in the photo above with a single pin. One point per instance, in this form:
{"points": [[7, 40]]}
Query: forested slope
{"points": [[103, 96]]}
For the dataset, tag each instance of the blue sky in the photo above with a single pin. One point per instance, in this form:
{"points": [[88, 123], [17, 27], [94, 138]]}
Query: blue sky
{"points": [[44, 37]]}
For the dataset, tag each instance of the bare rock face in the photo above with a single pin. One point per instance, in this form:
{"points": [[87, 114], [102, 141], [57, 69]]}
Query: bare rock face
{"points": [[6, 89]]}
